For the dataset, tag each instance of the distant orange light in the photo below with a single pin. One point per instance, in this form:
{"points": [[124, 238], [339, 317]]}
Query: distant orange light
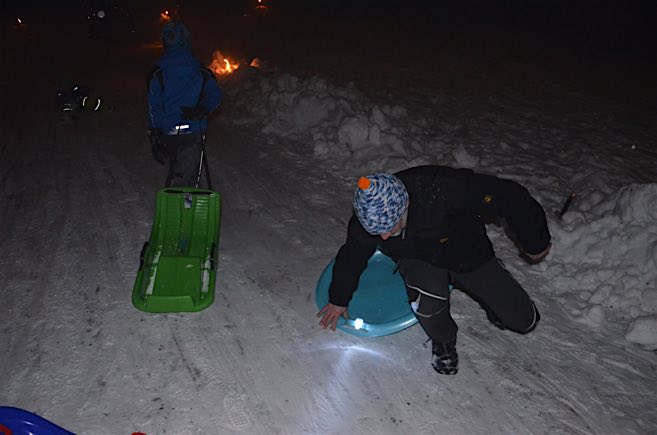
{"points": [[164, 16]]}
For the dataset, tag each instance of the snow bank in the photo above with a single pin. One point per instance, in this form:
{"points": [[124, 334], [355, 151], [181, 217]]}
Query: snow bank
{"points": [[337, 123], [605, 258]]}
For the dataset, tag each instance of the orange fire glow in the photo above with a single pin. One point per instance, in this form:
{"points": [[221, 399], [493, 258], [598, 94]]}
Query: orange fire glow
{"points": [[221, 65], [165, 17]]}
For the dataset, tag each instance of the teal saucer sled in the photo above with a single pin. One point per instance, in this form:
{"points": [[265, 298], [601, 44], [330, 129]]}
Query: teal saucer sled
{"points": [[379, 305]]}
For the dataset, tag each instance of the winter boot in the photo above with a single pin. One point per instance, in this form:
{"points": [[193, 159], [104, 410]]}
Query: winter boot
{"points": [[445, 360]]}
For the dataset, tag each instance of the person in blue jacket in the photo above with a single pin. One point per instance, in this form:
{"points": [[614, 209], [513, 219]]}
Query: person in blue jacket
{"points": [[431, 221], [181, 94]]}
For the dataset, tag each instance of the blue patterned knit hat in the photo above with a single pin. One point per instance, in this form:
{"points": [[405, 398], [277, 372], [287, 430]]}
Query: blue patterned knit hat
{"points": [[379, 202]]}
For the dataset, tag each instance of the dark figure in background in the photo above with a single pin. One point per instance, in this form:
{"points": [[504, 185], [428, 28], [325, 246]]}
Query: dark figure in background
{"points": [[429, 220], [181, 94], [77, 98], [109, 20]]}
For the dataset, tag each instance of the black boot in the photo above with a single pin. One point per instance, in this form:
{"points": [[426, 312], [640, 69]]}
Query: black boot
{"points": [[445, 360]]}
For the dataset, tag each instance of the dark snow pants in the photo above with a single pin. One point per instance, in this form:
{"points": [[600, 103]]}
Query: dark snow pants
{"points": [[184, 153], [505, 302]]}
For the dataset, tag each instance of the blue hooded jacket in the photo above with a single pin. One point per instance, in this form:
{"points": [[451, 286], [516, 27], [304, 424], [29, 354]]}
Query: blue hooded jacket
{"points": [[180, 80]]}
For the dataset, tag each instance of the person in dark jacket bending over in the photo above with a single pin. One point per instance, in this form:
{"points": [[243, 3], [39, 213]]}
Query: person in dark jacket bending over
{"points": [[181, 94], [429, 219]]}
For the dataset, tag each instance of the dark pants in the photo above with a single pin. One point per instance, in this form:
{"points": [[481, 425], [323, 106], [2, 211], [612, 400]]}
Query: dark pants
{"points": [[506, 303], [184, 153]]}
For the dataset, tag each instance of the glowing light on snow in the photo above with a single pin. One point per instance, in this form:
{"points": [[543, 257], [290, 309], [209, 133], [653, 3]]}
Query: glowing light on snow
{"points": [[358, 323]]}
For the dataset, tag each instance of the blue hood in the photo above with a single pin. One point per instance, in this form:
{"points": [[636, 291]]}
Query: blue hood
{"points": [[175, 36]]}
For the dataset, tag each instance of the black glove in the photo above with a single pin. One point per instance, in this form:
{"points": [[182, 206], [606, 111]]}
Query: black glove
{"points": [[157, 146], [193, 113]]}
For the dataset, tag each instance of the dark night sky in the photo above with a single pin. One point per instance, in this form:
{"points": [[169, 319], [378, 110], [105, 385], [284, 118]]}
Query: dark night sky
{"points": [[627, 28]]}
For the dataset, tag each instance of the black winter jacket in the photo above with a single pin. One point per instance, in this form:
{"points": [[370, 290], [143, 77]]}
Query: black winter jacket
{"points": [[444, 225]]}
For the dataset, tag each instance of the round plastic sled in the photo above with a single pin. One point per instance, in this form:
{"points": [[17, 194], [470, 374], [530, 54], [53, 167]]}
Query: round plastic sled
{"points": [[18, 421], [379, 305]]}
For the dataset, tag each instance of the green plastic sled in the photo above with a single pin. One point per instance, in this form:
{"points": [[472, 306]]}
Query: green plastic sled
{"points": [[177, 269]]}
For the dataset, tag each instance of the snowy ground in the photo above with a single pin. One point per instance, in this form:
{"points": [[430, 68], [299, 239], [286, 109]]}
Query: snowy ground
{"points": [[336, 98]]}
